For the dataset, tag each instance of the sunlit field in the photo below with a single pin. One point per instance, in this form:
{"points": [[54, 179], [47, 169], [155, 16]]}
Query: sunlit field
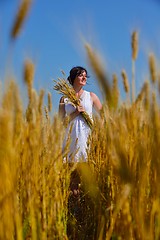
{"points": [[119, 192]]}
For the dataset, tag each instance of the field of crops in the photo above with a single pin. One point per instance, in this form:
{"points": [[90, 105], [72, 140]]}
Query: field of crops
{"points": [[119, 191]]}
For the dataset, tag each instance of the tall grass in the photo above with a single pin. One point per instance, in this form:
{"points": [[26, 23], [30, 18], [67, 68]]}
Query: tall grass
{"points": [[119, 190]]}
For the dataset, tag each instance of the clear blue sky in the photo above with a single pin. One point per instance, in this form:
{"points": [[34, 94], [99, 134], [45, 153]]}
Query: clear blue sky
{"points": [[51, 38]]}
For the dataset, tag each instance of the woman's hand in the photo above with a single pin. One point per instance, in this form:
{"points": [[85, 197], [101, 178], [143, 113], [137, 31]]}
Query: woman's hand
{"points": [[73, 115], [80, 109]]}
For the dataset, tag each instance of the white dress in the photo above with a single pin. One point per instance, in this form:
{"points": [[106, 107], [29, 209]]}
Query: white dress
{"points": [[78, 130]]}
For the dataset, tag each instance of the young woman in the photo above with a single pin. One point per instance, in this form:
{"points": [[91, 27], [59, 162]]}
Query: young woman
{"points": [[78, 130]]}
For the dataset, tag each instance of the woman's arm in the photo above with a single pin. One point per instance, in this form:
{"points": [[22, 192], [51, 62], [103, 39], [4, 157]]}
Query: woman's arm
{"points": [[96, 102], [61, 111], [73, 115], [78, 110]]}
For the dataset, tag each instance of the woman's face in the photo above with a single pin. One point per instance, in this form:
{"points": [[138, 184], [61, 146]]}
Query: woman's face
{"points": [[81, 79]]}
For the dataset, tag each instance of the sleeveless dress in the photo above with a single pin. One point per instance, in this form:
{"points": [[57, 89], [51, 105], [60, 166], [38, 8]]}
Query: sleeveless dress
{"points": [[78, 130]]}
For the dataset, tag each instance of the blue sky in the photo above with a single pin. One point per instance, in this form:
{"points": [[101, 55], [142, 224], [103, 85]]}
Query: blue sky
{"points": [[51, 37]]}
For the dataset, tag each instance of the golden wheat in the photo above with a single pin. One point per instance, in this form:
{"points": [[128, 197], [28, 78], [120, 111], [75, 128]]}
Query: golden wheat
{"points": [[152, 67], [119, 190], [125, 81], [134, 45], [21, 15]]}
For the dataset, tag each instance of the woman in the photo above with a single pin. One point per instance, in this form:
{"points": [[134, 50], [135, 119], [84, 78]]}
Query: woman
{"points": [[78, 130]]}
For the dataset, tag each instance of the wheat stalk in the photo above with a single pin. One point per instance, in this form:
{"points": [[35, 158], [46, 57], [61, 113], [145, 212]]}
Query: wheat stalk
{"points": [[125, 81], [49, 102], [115, 90], [152, 67], [21, 15], [68, 92], [134, 44]]}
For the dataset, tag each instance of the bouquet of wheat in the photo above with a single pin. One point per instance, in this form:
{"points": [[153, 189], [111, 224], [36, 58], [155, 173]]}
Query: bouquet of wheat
{"points": [[67, 91]]}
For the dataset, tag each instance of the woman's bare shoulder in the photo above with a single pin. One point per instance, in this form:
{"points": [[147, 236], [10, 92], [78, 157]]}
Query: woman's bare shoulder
{"points": [[93, 95], [96, 101]]}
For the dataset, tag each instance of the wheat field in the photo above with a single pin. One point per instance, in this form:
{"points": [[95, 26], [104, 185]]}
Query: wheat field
{"points": [[119, 190]]}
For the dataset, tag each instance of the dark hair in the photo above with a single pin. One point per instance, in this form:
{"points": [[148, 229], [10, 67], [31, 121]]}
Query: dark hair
{"points": [[74, 72]]}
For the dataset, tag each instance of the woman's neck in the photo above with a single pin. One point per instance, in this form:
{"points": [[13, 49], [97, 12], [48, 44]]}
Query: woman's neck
{"points": [[78, 91]]}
